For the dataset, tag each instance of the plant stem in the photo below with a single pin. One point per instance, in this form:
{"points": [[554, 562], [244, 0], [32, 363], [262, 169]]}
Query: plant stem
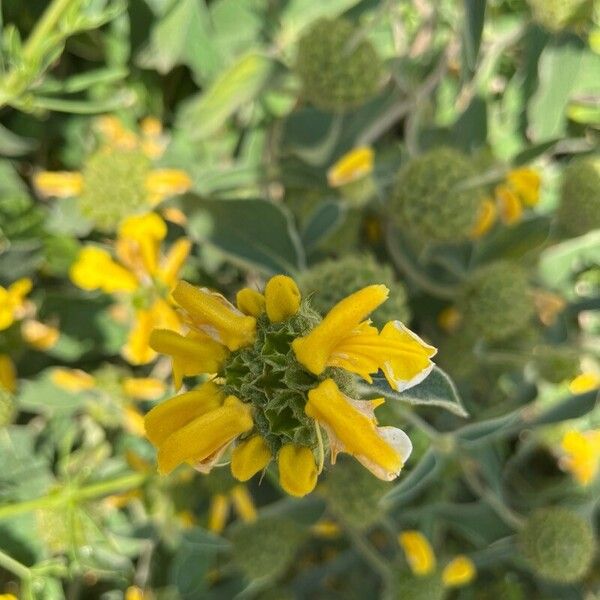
{"points": [[14, 566]]}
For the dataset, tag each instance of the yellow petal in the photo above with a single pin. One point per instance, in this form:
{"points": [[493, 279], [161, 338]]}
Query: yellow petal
{"points": [[586, 382], [8, 374], [19, 289], [162, 183], [526, 183], [218, 513], [418, 551], [174, 215], [173, 262], [282, 298], [133, 592], [94, 269], [38, 335], [485, 219], [205, 435], [315, 349], [352, 428], [242, 501], [459, 571], [145, 232], [250, 302], [408, 357], [151, 126], [213, 315], [166, 418], [581, 455], [297, 470], [144, 388], [511, 209], [72, 380], [59, 184], [249, 457], [194, 354], [354, 165], [137, 350], [134, 421]]}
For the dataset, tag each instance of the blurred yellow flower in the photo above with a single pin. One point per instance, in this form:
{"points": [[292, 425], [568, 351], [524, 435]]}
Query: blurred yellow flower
{"points": [[141, 274], [39, 335], [353, 165], [13, 302], [586, 382], [72, 380], [239, 497], [459, 571], [581, 455], [8, 374]]}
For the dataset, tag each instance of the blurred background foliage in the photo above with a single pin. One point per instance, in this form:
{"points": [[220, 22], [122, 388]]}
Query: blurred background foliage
{"points": [[477, 203]]}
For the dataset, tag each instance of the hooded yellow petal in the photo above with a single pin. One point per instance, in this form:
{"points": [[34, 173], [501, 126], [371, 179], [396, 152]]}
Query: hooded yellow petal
{"points": [[72, 380], [355, 430], [145, 233], [137, 349], [459, 571], [166, 418], [526, 183], [8, 374], [144, 388], [162, 183], [94, 269], [485, 219], [249, 457], [242, 501], [213, 315], [174, 261], [353, 165], [297, 470], [59, 184], [511, 209], [250, 302], [315, 349], [218, 513], [418, 551], [205, 435], [282, 298]]}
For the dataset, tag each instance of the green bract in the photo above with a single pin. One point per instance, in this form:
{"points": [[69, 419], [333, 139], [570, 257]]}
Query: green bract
{"points": [[557, 15], [338, 67], [428, 201], [413, 587]]}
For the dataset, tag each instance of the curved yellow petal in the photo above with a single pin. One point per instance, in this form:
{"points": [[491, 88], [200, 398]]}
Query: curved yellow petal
{"points": [[218, 513], [59, 184], [297, 470], [144, 388], [315, 349], [459, 571], [162, 183], [249, 457], [213, 315], [526, 183], [19, 289], [146, 233], [39, 335], [72, 380], [485, 219], [250, 302], [242, 501], [353, 165], [511, 209], [205, 435], [173, 262], [282, 298], [137, 349], [8, 374], [94, 269], [418, 551]]}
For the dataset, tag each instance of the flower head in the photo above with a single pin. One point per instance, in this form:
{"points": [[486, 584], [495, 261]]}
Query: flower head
{"points": [[280, 373], [13, 302], [581, 455]]}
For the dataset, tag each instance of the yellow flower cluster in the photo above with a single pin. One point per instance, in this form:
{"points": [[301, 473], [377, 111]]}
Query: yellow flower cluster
{"points": [[520, 189], [422, 562], [198, 426], [140, 274]]}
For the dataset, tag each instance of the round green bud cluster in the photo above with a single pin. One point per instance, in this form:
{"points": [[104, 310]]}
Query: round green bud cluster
{"points": [[579, 208], [268, 375], [557, 544], [495, 301], [114, 186], [7, 408], [332, 280], [455, 355], [428, 201], [353, 492], [557, 15], [556, 364], [338, 67], [265, 547], [425, 587]]}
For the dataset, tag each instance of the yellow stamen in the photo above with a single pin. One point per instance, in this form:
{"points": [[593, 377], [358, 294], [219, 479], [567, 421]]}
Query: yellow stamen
{"points": [[459, 571], [144, 388], [8, 374], [249, 457], [58, 184], [354, 165], [297, 470], [38, 335], [485, 219], [94, 269], [250, 302], [511, 209], [72, 380], [218, 512], [418, 551], [243, 503], [282, 298], [213, 315], [526, 183]]}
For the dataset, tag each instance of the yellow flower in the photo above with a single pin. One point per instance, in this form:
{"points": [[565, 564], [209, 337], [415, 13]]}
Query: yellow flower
{"points": [[8, 374], [160, 183], [12, 302], [72, 380], [220, 504], [276, 369], [133, 592], [354, 165], [8, 597], [140, 273], [526, 184], [486, 219], [449, 319], [143, 388], [38, 335], [421, 559], [581, 455], [586, 382], [509, 205]]}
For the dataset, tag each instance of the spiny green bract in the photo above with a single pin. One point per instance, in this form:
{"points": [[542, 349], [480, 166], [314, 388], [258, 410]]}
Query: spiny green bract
{"points": [[332, 280], [265, 547], [427, 201], [268, 376], [354, 493], [412, 587], [579, 208], [338, 67], [495, 301], [114, 186], [557, 544], [556, 15]]}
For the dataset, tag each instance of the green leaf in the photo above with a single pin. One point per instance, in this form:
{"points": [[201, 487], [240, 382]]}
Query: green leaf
{"points": [[474, 20], [437, 389], [251, 232], [41, 396], [238, 85], [12, 144], [321, 223], [530, 154]]}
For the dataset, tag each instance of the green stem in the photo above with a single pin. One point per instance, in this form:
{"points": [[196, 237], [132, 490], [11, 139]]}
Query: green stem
{"points": [[95, 490], [14, 566]]}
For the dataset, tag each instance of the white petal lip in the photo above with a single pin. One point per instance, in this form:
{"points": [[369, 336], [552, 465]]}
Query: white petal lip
{"points": [[398, 440]]}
